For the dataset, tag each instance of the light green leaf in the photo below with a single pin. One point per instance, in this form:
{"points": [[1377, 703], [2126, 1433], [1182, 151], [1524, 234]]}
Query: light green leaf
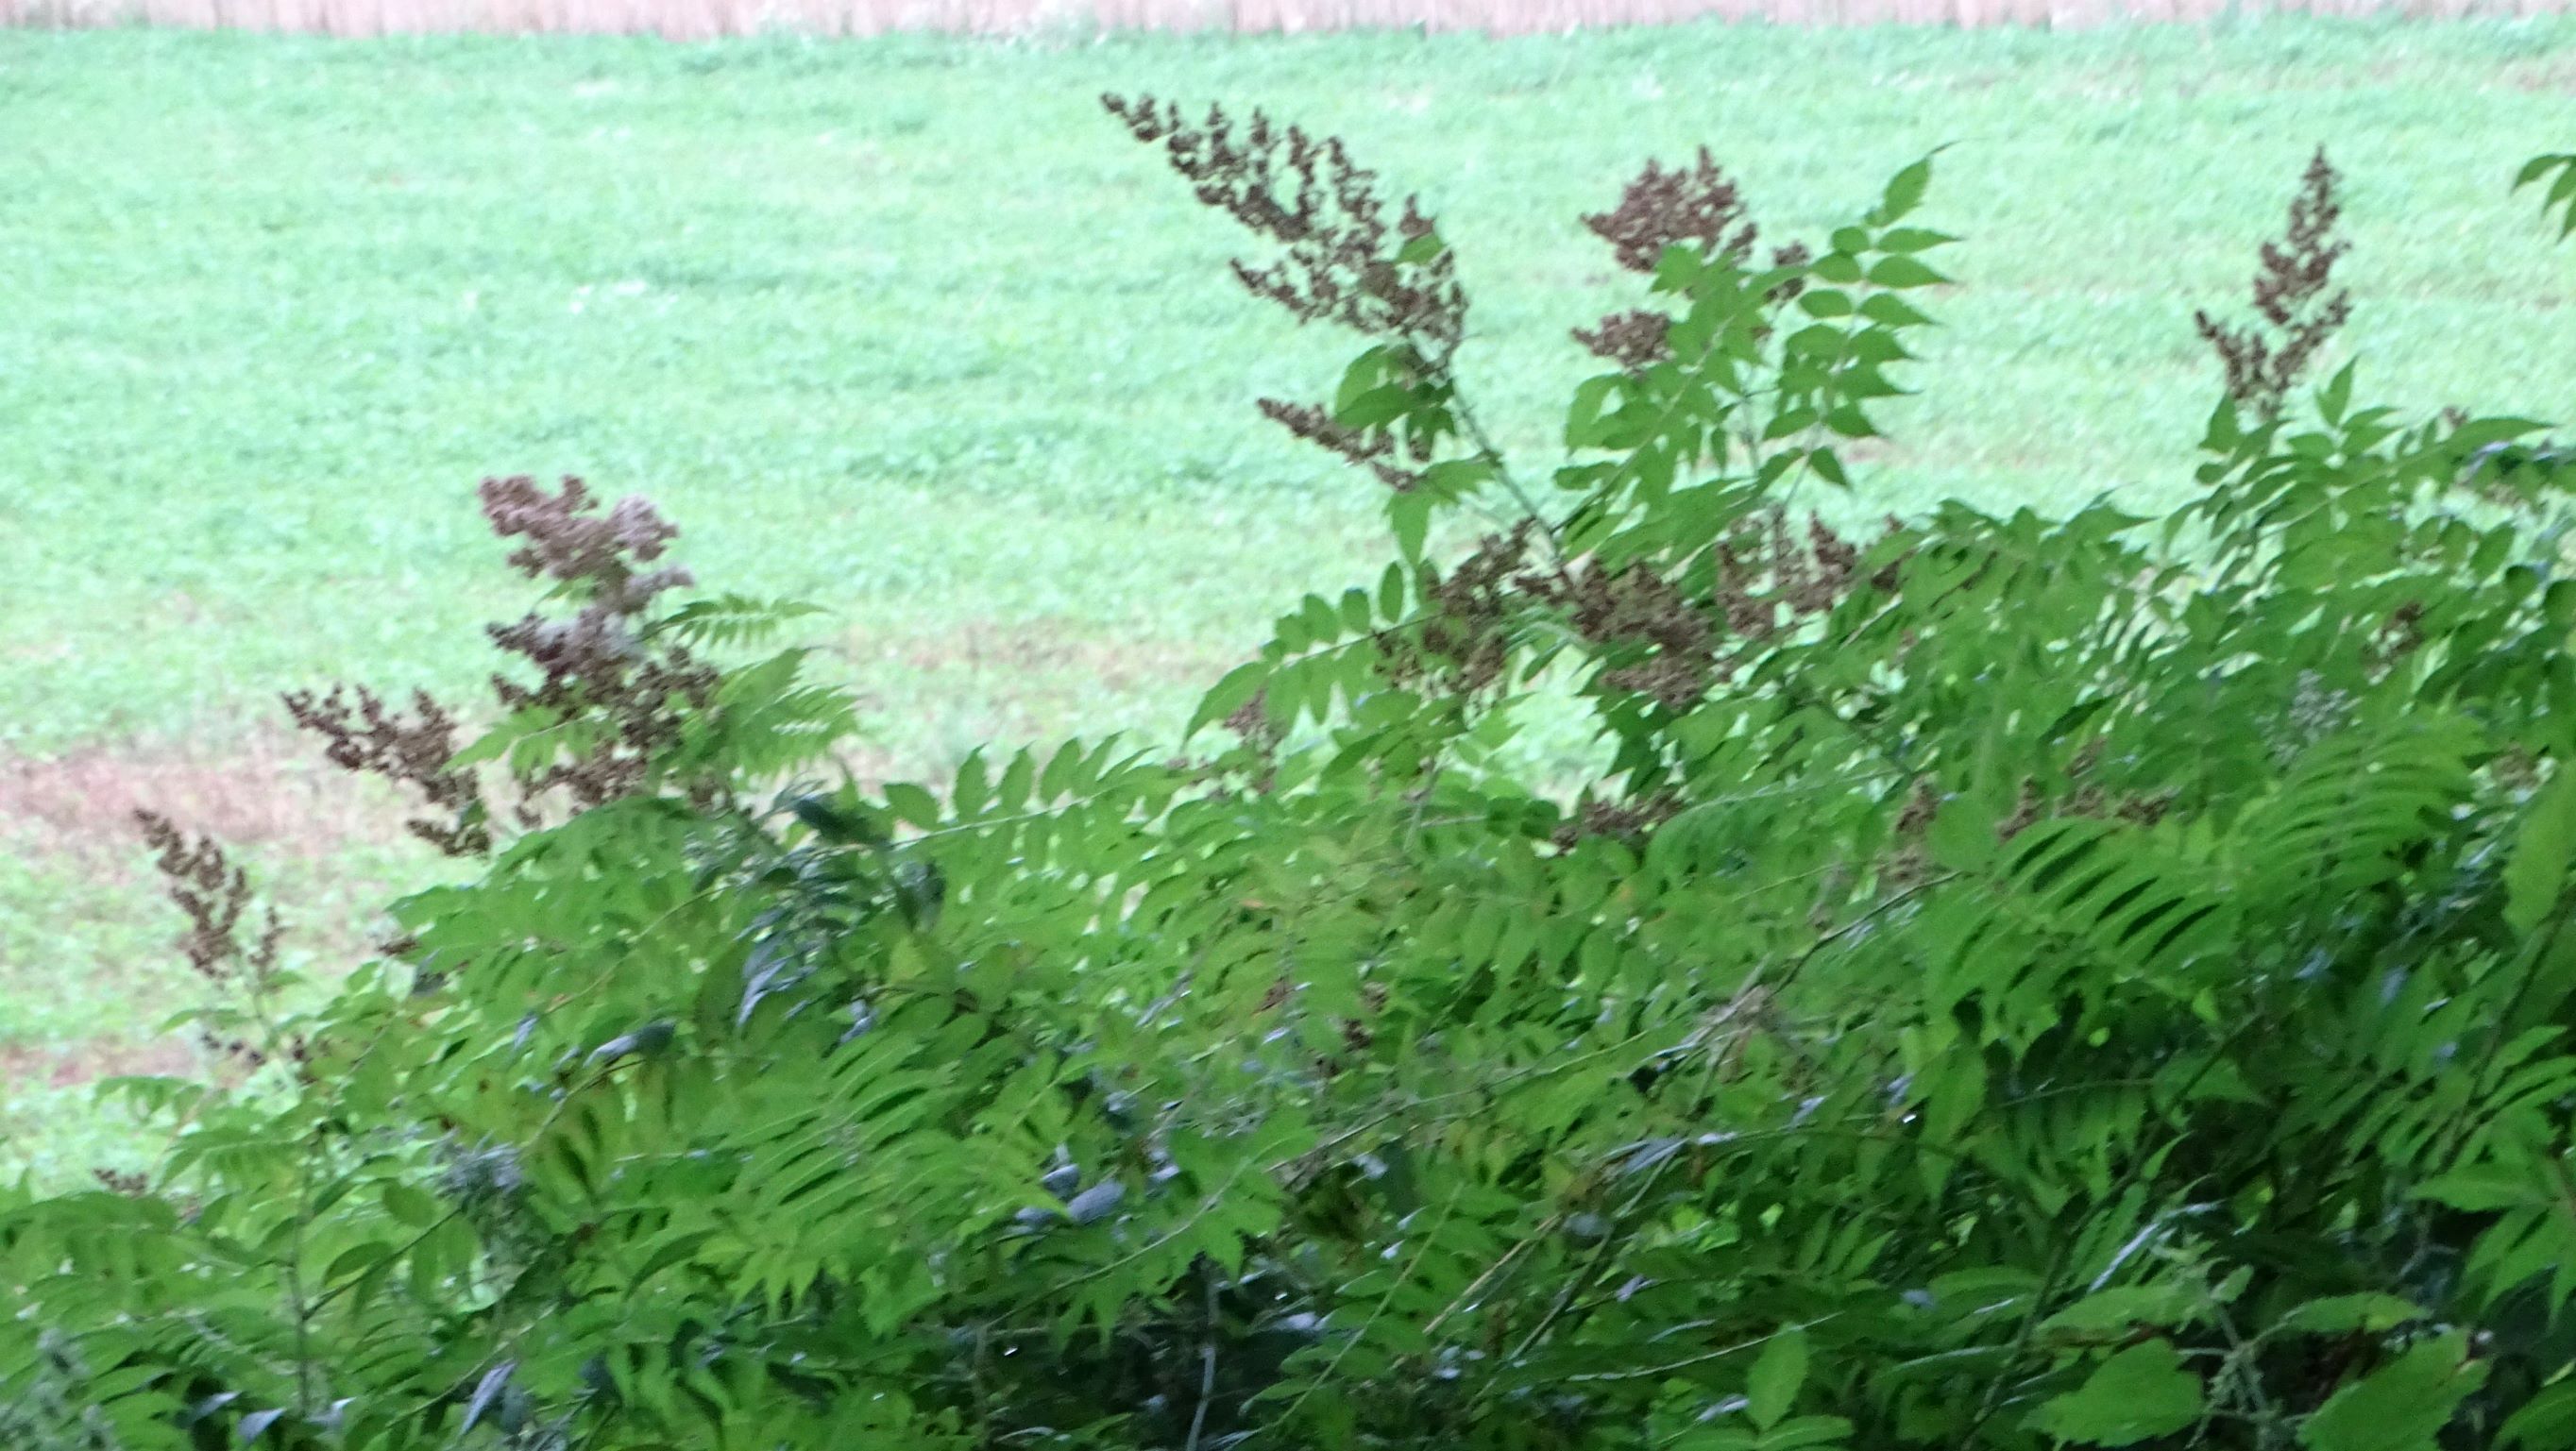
{"points": [[1408, 515], [408, 1205], [2140, 1393], [2403, 1405], [1889, 310], [1838, 267], [2346, 1314], [2538, 167], [1962, 836], [1904, 270], [1229, 694], [972, 790], [1806, 1432], [1825, 302], [2536, 875], [1773, 1384], [2117, 1311], [2482, 1188], [2336, 396], [1375, 408], [1904, 192], [2546, 1422], [912, 804]]}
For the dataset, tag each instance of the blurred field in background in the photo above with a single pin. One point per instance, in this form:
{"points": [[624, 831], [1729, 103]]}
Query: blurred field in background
{"points": [[908, 328]]}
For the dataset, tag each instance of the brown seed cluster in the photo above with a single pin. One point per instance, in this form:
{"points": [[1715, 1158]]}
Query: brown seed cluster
{"points": [[2291, 292], [363, 734], [1698, 205], [214, 896], [1632, 607], [1790, 258], [2088, 798], [1695, 206], [571, 542], [1659, 209], [2085, 797], [1635, 340], [2402, 635], [1251, 722], [596, 665], [1667, 640], [1465, 644], [1623, 820], [1346, 261], [1763, 573], [1371, 449], [1769, 581]]}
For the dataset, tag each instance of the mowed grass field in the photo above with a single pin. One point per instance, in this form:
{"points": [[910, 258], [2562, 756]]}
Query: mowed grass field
{"points": [[910, 329]]}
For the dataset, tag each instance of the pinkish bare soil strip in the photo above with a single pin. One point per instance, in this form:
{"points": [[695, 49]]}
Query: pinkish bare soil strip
{"points": [[707, 19]]}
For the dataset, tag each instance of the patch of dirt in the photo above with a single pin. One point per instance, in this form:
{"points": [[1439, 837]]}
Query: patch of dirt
{"points": [[273, 794], [1053, 651], [2554, 77], [291, 817], [73, 1064], [926, 696]]}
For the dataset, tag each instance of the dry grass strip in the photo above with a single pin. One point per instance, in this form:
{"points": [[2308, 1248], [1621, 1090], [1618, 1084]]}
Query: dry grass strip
{"points": [[704, 19]]}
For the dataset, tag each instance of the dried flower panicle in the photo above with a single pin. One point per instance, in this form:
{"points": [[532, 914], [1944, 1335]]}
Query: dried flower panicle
{"points": [[211, 892], [1622, 820], [366, 735], [1908, 858], [2400, 636], [1635, 340], [2291, 293], [1698, 206], [2086, 797], [596, 663], [1674, 634], [1632, 607], [1769, 580], [1251, 723], [1369, 448], [1790, 258], [1464, 645], [570, 542], [1682, 207], [214, 895], [1345, 258]]}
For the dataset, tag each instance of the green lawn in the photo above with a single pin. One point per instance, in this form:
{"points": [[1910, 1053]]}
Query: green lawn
{"points": [[910, 329]]}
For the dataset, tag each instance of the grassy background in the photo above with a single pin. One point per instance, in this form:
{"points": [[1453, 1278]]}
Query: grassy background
{"points": [[907, 327]]}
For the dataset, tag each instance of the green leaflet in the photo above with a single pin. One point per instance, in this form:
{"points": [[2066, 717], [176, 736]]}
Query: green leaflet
{"points": [[2138, 1394], [2401, 1406]]}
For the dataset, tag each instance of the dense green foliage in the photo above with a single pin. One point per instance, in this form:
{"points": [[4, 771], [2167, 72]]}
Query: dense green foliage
{"points": [[895, 326], [2017, 980]]}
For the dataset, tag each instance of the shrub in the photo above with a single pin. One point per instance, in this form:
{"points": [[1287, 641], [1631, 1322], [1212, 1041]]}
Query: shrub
{"points": [[2018, 981]]}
